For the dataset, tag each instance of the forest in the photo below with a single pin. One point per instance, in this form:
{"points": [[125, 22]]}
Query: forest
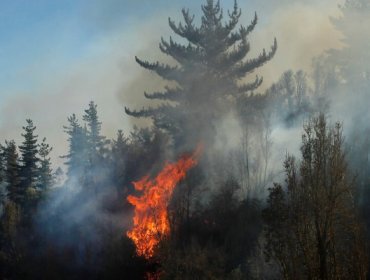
{"points": [[229, 177]]}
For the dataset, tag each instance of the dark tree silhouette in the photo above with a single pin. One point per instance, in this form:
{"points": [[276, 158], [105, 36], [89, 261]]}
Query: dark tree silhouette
{"points": [[76, 157], [11, 171], [29, 158], [45, 177], [95, 140]]}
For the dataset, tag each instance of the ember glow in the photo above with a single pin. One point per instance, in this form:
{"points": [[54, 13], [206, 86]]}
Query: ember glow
{"points": [[151, 218]]}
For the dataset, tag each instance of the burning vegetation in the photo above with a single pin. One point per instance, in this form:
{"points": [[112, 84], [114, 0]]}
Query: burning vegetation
{"points": [[151, 222]]}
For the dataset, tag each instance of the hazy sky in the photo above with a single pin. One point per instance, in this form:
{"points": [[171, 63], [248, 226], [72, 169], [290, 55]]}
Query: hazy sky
{"points": [[56, 56]]}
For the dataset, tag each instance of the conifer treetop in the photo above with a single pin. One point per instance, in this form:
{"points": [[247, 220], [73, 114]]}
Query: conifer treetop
{"points": [[210, 68]]}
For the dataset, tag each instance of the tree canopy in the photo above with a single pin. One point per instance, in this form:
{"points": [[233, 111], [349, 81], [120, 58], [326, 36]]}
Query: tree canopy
{"points": [[210, 70]]}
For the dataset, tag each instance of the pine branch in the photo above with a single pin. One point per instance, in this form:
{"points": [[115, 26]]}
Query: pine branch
{"points": [[179, 52], [189, 32], [235, 56], [252, 64], [165, 71], [234, 17], [143, 113], [233, 38], [250, 27], [250, 86], [163, 117], [149, 112], [242, 33], [169, 94]]}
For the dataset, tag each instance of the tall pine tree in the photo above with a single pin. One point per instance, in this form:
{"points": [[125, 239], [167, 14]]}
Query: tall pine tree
{"points": [[11, 172], [2, 174], [120, 148], [29, 157], [45, 177], [211, 69], [96, 141], [96, 151], [76, 157], [2, 158]]}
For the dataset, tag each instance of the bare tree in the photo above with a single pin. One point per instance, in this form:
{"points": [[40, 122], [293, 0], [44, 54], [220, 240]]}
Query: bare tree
{"points": [[313, 231], [253, 155]]}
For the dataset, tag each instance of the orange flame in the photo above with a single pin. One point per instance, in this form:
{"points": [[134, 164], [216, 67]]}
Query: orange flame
{"points": [[151, 218]]}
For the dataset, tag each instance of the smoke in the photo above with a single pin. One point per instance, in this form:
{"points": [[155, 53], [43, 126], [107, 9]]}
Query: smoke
{"points": [[303, 31], [80, 222], [107, 73], [252, 150]]}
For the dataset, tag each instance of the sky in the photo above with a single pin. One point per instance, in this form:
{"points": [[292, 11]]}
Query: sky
{"points": [[56, 56]]}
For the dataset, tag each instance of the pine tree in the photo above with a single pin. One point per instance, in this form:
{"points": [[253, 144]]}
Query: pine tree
{"points": [[119, 154], [45, 177], [2, 176], [76, 157], [29, 157], [2, 163], [210, 70], [96, 149], [96, 142], [11, 172], [120, 144]]}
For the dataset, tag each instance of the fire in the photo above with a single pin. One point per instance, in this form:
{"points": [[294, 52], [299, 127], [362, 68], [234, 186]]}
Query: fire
{"points": [[151, 218]]}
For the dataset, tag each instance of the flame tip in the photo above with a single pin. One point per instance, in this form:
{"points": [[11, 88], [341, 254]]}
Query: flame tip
{"points": [[151, 222]]}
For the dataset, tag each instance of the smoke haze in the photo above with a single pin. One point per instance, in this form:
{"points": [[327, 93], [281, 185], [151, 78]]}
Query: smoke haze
{"points": [[105, 70]]}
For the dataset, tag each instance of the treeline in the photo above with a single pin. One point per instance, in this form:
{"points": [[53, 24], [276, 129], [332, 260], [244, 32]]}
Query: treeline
{"points": [[236, 215], [62, 221]]}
